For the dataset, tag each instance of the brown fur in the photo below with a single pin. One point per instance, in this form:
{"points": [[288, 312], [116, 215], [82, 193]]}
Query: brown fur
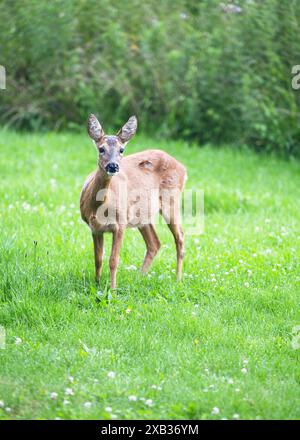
{"points": [[148, 170]]}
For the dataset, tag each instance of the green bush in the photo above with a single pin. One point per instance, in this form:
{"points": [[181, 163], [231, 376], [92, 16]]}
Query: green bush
{"points": [[187, 69]]}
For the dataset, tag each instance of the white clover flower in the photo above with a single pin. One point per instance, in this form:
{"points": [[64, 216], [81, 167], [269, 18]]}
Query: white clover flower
{"points": [[254, 255], [66, 402], [108, 409], [250, 273], [87, 404], [131, 267], [215, 410], [111, 374], [246, 284], [230, 381], [8, 409], [196, 306], [53, 396], [237, 390], [245, 361], [128, 310], [1, 404], [26, 206], [149, 402], [235, 416], [244, 370], [71, 379], [69, 392], [132, 398], [18, 341]]}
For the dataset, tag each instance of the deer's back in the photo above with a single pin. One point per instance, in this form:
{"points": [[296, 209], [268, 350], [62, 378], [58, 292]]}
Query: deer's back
{"points": [[153, 169]]}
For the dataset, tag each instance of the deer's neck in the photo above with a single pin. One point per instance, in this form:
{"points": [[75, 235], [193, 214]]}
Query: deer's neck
{"points": [[102, 182]]}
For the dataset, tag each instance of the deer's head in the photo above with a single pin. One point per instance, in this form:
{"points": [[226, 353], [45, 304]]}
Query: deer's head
{"points": [[111, 148]]}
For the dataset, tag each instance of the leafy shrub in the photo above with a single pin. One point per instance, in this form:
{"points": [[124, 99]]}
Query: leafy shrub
{"points": [[208, 71]]}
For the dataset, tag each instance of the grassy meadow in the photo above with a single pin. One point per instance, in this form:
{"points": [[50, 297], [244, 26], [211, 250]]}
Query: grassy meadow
{"points": [[218, 345]]}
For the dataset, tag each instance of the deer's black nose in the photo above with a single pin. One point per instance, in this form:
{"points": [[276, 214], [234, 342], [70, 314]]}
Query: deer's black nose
{"points": [[112, 168]]}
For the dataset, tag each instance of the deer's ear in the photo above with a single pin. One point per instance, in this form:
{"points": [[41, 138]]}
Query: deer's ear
{"points": [[94, 128], [128, 130]]}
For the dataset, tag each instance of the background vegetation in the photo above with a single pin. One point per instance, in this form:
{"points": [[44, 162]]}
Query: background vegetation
{"points": [[224, 343], [204, 70]]}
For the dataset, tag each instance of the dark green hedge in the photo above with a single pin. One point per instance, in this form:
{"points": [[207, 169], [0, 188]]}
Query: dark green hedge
{"points": [[203, 70]]}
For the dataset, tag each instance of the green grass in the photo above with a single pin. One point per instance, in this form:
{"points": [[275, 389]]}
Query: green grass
{"points": [[181, 345]]}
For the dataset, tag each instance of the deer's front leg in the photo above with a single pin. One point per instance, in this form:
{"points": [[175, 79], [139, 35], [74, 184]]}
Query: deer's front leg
{"points": [[115, 256], [98, 251]]}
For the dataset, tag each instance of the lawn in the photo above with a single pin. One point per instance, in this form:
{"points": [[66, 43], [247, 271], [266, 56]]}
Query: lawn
{"points": [[218, 345]]}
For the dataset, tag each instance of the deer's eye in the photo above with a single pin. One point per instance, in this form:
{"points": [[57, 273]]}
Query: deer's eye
{"points": [[101, 150], [121, 150]]}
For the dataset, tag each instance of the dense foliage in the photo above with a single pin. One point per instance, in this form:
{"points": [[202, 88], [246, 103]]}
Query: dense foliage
{"points": [[203, 70]]}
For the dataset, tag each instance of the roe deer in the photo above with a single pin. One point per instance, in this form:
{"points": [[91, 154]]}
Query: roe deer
{"points": [[130, 192]]}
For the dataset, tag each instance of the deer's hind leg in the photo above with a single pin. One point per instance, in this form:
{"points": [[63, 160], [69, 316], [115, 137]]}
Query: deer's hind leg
{"points": [[152, 243], [178, 235], [171, 213]]}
